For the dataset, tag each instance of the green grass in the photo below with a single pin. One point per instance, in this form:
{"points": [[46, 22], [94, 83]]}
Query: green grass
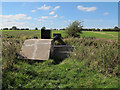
{"points": [[62, 33], [18, 33], [98, 35], [36, 33], [68, 74], [93, 63], [113, 33]]}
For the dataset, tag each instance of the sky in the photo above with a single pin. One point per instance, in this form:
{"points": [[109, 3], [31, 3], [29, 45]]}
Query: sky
{"points": [[59, 14], [60, 0]]}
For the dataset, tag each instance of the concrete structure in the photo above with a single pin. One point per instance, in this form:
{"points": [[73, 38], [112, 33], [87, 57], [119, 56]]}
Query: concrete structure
{"points": [[36, 49], [45, 34], [44, 48], [61, 51]]}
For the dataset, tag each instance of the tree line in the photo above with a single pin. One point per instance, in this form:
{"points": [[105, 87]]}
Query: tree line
{"points": [[116, 29], [15, 28]]}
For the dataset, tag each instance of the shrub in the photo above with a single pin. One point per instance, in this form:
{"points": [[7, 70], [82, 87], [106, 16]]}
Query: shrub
{"points": [[10, 51], [74, 29]]}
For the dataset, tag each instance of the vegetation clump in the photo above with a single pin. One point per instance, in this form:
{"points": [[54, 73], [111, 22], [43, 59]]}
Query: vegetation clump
{"points": [[74, 29]]}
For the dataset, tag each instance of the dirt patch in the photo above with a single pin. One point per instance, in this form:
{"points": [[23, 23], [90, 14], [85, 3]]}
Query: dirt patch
{"points": [[105, 33]]}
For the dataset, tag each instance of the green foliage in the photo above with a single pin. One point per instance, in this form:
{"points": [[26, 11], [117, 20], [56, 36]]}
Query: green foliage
{"points": [[5, 28], [116, 27], [36, 28], [10, 52], [74, 29], [43, 28], [14, 28]]}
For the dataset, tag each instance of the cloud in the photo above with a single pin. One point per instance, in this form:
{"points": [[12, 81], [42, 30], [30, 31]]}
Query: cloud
{"points": [[29, 18], [67, 21], [55, 16], [10, 20], [44, 7], [14, 23], [45, 17], [87, 9], [57, 7], [41, 20], [51, 13], [33, 10], [15, 17], [106, 13]]}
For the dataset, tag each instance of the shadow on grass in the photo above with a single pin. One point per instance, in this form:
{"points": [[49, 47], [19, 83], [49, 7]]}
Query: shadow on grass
{"points": [[56, 60]]}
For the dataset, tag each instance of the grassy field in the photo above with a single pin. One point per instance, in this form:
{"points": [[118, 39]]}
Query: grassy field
{"points": [[93, 63], [107, 35], [33, 33]]}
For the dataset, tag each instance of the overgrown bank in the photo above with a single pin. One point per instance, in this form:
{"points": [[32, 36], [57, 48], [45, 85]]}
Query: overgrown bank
{"points": [[93, 64]]}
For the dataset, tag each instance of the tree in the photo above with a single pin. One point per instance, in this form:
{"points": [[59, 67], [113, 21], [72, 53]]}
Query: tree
{"points": [[36, 28], [116, 27], [27, 29], [93, 29], [22, 29], [5, 28], [74, 29], [43, 28], [14, 28], [10, 29], [98, 29]]}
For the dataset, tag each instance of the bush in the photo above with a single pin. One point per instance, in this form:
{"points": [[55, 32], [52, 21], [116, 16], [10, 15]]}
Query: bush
{"points": [[10, 51], [74, 29]]}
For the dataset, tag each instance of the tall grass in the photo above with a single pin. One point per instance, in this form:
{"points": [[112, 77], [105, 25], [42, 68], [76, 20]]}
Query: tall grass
{"points": [[100, 53], [10, 52]]}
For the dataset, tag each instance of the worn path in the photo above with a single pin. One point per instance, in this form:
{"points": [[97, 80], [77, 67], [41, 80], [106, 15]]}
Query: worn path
{"points": [[106, 34]]}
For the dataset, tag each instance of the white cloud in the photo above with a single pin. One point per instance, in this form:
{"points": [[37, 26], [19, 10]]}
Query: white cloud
{"points": [[87, 9], [45, 17], [19, 16], [33, 10], [10, 20], [15, 17], [51, 13], [29, 18], [44, 7], [55, 16], [57, 7], [14, 23], [41, 20], [67, 21], [106, 13]]}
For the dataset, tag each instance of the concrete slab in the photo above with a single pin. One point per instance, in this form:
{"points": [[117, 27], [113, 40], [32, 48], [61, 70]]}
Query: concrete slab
{"points": [[36, 49]]}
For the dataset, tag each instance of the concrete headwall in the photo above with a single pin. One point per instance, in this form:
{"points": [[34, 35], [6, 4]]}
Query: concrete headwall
{"points": [[36, 49]]}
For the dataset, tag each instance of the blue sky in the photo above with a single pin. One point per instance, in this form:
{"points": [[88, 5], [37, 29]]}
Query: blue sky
{"points": [[59, 14]]}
